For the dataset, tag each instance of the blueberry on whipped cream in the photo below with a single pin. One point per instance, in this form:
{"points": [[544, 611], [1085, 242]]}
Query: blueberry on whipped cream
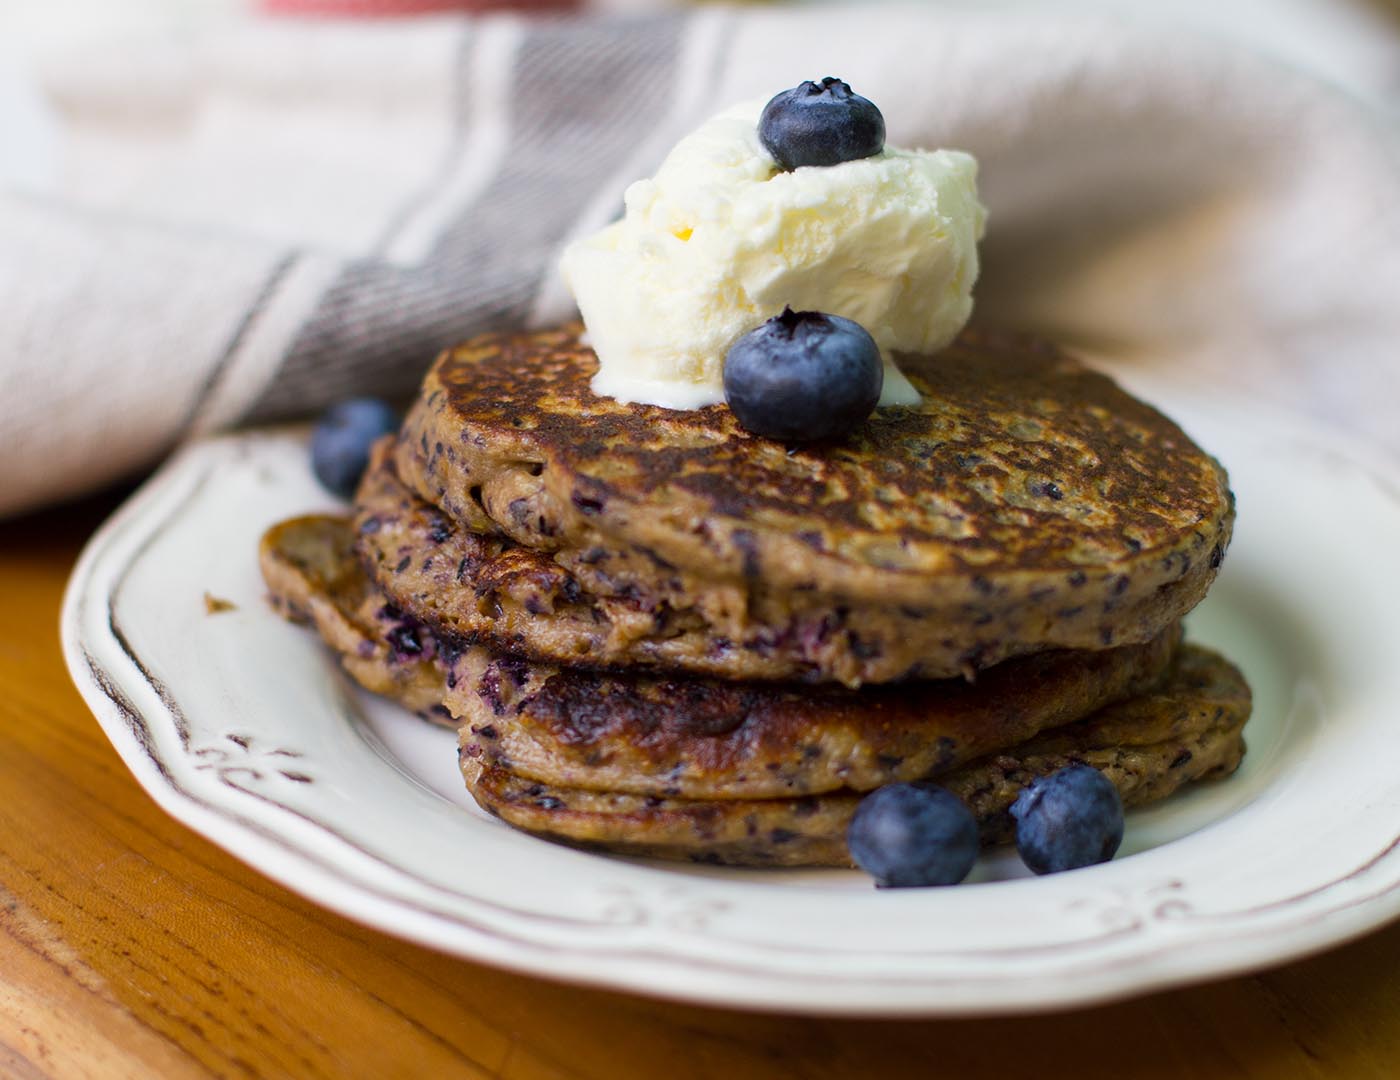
{"points": [[822, 123], [802, 376]]}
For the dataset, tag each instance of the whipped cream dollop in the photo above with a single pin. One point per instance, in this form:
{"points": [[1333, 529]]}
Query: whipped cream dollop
{"points": [[722, 239]]}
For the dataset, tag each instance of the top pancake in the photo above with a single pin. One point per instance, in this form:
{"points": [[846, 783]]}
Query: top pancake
{"points": [[1021, 471]]}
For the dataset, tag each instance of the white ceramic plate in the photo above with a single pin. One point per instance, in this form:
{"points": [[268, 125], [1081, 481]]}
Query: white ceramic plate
{"points": [[243, 727]]}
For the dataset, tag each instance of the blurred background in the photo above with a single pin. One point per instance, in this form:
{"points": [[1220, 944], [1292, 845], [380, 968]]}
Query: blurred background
{"points": [[1355, 42], [222, 212]]}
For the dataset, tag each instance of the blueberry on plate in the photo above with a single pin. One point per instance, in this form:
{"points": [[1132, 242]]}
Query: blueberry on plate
{"points": [[822, 123], [1069, 819], [341, 440], [802, 376], [912, 834]]}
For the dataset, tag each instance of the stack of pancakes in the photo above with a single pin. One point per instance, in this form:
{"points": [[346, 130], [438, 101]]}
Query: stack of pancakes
{"points": [[663, 635]]}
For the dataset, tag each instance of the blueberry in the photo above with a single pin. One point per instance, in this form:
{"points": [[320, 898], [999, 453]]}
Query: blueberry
{"points": [[341, 440], [908, 834], [821, 123], [1069, 819], [803, 375]]}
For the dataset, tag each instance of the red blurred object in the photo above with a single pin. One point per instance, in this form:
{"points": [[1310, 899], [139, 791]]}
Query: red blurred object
{"points": [[389, 8]]}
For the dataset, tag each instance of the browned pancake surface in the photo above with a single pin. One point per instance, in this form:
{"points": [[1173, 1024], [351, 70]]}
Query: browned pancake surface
{"points": [[1022, 471], [711, 739], [1189, 728], [309, 566], [487, 588]]}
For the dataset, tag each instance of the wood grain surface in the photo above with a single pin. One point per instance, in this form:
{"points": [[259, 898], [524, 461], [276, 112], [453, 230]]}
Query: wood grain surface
{"points": [[131, 947]]}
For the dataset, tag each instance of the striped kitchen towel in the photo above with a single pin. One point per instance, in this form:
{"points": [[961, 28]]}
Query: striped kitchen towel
{"points": [[241, 223]]}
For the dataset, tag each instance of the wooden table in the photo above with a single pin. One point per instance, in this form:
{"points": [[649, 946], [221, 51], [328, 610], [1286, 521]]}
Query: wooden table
{"points": [[129, 946]]}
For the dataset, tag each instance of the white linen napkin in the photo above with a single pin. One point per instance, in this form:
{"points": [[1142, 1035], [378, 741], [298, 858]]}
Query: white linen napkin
{"points": [[246, 222]]}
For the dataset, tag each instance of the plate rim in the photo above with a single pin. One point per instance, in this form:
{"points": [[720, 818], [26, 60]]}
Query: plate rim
{"points": [[112, 698]]}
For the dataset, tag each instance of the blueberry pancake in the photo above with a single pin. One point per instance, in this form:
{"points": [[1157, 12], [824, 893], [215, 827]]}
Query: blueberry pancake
{"points": [[1028, 503], [672, 736], [1188, 728], [309, 566], [586, 611]]}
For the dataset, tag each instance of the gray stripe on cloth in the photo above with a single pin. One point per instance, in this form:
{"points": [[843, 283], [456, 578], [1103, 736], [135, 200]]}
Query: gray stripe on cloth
{"points": [[259, 303], [584, 91]]}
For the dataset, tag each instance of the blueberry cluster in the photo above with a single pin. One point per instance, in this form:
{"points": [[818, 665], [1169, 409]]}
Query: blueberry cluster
{"points": [[919, 834], [806, 375]]}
